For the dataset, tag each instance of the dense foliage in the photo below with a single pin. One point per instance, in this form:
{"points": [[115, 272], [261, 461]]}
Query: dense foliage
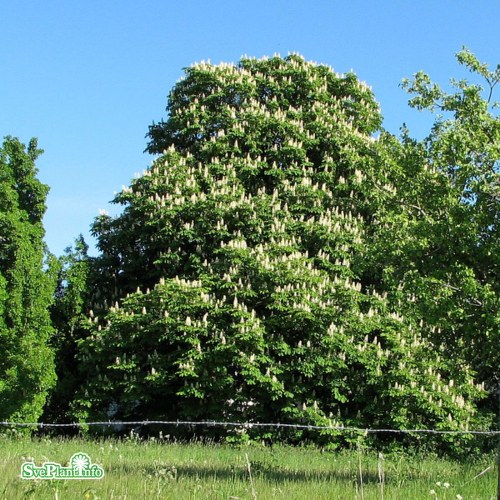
{"points": [[72, 296], [27, 285], [277, 262]]}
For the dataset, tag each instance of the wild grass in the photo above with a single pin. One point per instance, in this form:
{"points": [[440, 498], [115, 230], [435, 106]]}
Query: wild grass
{"points": [[171, 470]]}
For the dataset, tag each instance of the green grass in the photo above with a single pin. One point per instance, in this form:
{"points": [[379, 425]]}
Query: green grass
{"points": [[150, 470]]}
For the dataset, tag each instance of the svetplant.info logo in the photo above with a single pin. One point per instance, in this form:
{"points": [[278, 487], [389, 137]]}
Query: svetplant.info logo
{"points": [[80, 467]]}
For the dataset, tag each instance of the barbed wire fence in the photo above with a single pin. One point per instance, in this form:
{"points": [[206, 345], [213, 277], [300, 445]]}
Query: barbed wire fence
{"points": [[247, 425]]}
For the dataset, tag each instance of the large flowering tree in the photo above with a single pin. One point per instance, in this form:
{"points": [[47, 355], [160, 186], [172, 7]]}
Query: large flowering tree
{"points": [[235, 283]]}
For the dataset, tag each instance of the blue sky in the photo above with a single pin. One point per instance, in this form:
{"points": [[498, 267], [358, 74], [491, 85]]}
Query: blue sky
{"points": [[87, 78]]}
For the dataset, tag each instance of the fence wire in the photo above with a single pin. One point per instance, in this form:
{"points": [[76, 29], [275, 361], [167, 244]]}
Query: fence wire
{"points": [[247, 425]]}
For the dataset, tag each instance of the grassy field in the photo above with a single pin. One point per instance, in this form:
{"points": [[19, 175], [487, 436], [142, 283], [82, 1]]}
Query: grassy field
{"points": [[153, 470]]}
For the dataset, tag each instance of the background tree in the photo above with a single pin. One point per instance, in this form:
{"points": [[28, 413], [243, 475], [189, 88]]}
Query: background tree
{"points": [[72, 296], [235, 280], [436, 242], [27, 281]]}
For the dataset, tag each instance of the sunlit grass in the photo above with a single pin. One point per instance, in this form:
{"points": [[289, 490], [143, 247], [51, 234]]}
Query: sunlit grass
{"points": [[166, 470]]}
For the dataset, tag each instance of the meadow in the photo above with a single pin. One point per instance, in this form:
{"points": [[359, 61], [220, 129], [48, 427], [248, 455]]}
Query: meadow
{"points": [[172, 470]]}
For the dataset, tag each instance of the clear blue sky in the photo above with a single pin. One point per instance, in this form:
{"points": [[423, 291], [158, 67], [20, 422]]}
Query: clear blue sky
{"points": [[87, 78]]}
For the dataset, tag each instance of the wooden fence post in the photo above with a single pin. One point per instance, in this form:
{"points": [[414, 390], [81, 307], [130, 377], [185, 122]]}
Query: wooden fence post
{"points": [[498, 451]]}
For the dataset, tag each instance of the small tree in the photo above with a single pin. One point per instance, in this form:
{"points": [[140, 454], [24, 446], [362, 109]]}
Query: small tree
{"points": [[27, 285]]}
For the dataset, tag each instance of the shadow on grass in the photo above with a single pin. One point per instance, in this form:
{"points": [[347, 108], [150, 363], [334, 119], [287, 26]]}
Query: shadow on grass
{"points": [[260, 471]]}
